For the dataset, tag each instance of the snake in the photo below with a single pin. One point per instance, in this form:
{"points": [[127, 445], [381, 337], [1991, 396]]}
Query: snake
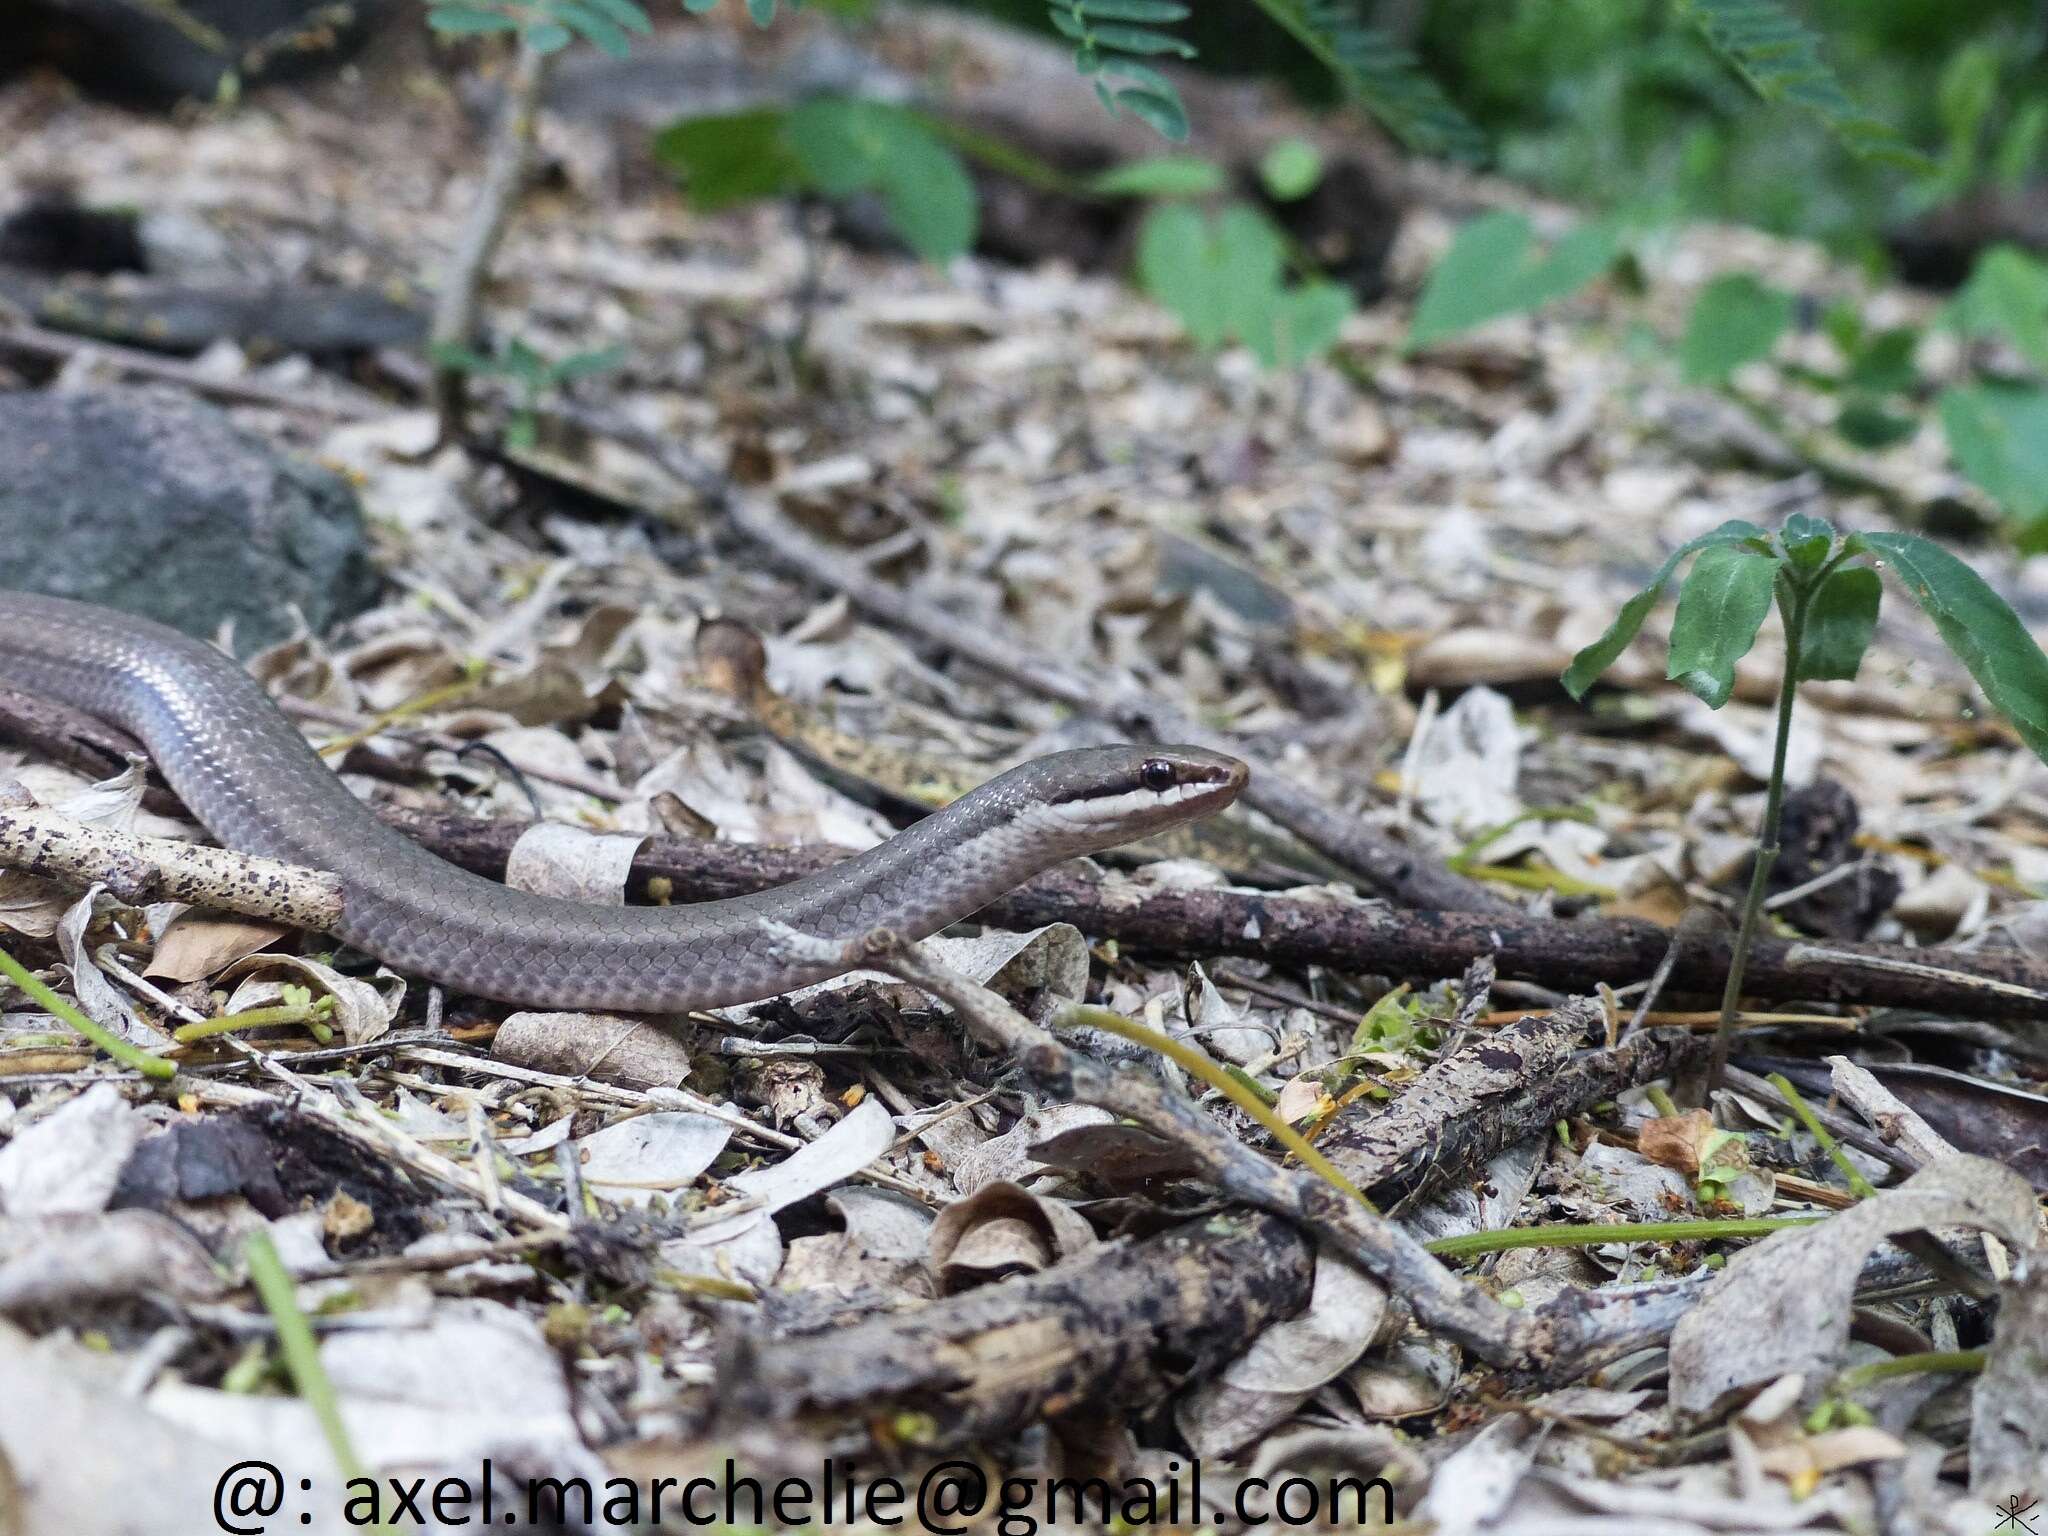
{"points": [[254, 781]]}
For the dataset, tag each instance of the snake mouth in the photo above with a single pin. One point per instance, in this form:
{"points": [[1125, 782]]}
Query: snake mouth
{"points": [[1208, 779]]}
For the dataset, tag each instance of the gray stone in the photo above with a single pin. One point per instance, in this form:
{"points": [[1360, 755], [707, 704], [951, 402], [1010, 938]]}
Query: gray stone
{"points": [[153, 503]]}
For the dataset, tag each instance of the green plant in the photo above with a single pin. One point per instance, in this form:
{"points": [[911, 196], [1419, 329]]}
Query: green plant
{"points": [[533, 375], [1826, 590], [1780, 59], [548, 26], [1226, 280], [1736, 320], [838, 146], [1494, 268]]}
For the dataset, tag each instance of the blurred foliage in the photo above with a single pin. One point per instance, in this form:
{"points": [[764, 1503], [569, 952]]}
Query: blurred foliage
{"points": [[1615, 101]]}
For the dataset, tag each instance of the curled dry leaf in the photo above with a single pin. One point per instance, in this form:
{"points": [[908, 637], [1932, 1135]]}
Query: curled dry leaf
{"points": [[1414, 1375], [633, 1052], [554, 859], [59, 1260], [104, 1003], [634, 1160], [1676, 1141], [197, 944], [71, 1159], [2009, 1407], [1002, 1229], [1287, 1363], [839, 1154], [1783, 1306]]}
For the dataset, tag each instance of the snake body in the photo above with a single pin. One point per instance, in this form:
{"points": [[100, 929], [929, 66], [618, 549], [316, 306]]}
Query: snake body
{"points": [[249, 775]]}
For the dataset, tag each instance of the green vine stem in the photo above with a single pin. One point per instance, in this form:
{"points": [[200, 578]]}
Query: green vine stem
{"points": [[134, 1057], [1966, 1361], [1792, 605], [313, 1013], [301, 1354], [1861, 1187], [1195, 1064], [1472, 1244]]}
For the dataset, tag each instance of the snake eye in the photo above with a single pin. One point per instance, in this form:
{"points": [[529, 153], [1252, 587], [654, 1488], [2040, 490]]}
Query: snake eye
{"points": [[1156, 774]]}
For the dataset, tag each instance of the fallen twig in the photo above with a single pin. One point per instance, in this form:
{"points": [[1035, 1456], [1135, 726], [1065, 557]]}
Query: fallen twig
{"points": [[1358, 938], [457, 301], [334, 401], [138, 869]]}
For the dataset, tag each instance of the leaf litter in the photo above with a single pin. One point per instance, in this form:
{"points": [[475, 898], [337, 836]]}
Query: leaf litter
{"points": [[1300, 557]]}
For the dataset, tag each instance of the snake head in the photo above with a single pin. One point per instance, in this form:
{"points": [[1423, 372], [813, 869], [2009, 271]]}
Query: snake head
{"points": [[1098, 797]]}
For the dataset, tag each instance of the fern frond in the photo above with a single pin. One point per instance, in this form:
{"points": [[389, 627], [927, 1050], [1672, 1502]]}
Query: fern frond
{"points": [[1765, 44], [1110, 37], [1381, 75], [1390, 83]]}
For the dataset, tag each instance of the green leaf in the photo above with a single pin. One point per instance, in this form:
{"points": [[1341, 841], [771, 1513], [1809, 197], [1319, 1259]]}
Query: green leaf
{"points": [[1596, 658], [1998, 436], [1149, 96], [2007, 296], [1781, 61], [1227, 280], [627, 13], [1290, 170], [1883, 364], [1161, 176], [593, 25], [1158, 11], [1986, 635], [1493, 269], [1840, 619], [2019, 147], [463, 359], [929, 195], [1807, 540], [761, 12], [1142, 41], [1735, 320], [1868, 425], [463, 21], [731, 158], [1180, 265], [1721, 606], [1382, 75], [1298, 324], [847, 146], [549, 37], [582, 365]]}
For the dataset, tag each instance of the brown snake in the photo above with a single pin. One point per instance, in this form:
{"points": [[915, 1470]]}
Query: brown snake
{"points": [[251, 777]]}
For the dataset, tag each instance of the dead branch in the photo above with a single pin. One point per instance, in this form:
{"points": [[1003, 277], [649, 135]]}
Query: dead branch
{"points": [[459, 296], [1569, 955], [145, 869], [1123, 1323], [331, 400]]}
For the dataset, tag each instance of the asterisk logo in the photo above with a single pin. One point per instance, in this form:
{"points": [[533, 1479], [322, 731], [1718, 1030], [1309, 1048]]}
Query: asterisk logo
{"points": [[2013, 1515]]}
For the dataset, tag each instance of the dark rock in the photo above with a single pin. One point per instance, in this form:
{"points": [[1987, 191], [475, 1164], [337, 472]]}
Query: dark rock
{"points": [[134, 52], [152, 503], [52, 232]]}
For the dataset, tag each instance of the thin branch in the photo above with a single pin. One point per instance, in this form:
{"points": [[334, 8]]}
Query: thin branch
{"points": [[146, 869], [460, 295]]}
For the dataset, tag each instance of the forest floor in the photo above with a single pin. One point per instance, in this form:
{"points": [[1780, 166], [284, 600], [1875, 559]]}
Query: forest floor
{"points": [[1367, 574]]}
